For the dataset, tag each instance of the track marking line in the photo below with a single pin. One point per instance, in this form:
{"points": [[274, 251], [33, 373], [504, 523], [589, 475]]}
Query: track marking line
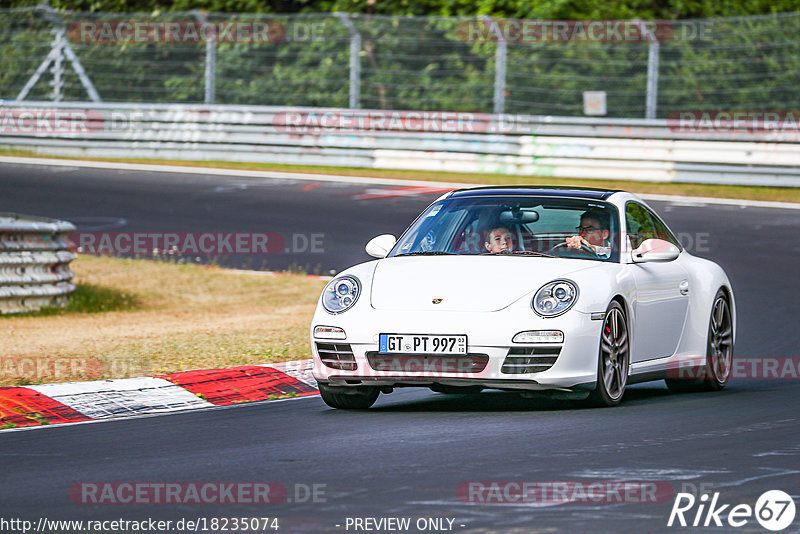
{"points": [[363, 180]]}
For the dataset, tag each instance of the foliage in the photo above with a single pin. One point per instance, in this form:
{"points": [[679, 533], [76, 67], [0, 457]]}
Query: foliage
{"points": [[523, 9], [425, 63]]}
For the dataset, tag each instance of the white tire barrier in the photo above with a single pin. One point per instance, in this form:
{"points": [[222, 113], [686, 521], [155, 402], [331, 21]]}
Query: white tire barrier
{"points": [[34, 263]]}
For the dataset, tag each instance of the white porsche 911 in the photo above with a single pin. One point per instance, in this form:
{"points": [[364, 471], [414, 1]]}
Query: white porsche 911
{"points": [[572, 292]]}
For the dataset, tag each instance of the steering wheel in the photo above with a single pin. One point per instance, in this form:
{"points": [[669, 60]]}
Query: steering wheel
{"points": [[585, 249]]}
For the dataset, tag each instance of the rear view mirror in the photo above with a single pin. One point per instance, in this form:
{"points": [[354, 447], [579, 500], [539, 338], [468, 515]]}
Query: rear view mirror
{"points": [[518, 216], [379, 247], [655, 250]]}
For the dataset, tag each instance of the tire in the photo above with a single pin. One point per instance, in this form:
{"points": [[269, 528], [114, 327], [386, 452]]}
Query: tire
{"points": [[613, 359], [356, 398], [715, 373]]}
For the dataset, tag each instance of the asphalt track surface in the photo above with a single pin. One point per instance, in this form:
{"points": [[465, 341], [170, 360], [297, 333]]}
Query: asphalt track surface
{"points": [[407, 455]]}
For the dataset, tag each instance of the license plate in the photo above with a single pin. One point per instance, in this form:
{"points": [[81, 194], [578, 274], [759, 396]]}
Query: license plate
{"points": [[422, 344]]}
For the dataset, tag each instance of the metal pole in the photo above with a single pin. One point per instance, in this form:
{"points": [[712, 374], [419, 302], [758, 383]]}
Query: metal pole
{"points": [[500, 76], [211, 69], [500, 61], [651, 99], [76, 65], [211, 61], [39, 71], [355, 70], [58, 67], [355, 59]]}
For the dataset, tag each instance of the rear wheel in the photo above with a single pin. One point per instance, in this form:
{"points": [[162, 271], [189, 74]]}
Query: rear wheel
{"points": [[355, 398], [716, 371], [613, 360]]}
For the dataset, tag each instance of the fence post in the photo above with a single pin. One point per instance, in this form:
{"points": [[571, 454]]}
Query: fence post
{"points": [[652, 80], [500, 76], [500, 56], [211, 60], [59, 49], [651, 99], [58, 67], [355, 59]]}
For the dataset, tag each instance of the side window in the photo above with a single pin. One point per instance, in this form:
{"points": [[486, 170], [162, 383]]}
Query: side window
{"points": [[640, 224], [663, 232], [644, 224]]}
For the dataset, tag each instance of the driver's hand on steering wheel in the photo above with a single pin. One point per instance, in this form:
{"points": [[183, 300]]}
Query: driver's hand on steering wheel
{"points": [[576, 241]]}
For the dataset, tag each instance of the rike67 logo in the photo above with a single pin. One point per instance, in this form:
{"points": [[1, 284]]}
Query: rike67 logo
{"points": [[774, 510]]}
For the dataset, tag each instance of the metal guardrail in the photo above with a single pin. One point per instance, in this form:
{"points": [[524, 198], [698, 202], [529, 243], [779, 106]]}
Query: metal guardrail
{"points": [[564, 147], [34, 262]]}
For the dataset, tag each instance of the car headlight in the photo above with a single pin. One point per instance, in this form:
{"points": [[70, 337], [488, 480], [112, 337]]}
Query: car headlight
{"points": [[340, 294], [555, 298]]}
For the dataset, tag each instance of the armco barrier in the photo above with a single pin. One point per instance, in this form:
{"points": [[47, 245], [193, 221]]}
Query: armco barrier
{"points": [[34, 262], [564, 147]]}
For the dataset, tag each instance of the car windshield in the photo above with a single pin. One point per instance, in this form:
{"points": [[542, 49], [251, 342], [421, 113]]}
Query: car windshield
{"points": [[519, 225]]}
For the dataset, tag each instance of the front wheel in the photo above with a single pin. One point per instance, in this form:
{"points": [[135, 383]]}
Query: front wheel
{"points": [[355, 398], [613, 360]]}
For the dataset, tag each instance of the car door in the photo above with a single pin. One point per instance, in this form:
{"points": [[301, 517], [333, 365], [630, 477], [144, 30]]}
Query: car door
{"points": [[662, 289]]}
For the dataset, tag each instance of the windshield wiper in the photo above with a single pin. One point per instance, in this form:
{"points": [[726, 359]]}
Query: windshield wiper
{"points": [[519, 252], [428, 253], [533, 253]]}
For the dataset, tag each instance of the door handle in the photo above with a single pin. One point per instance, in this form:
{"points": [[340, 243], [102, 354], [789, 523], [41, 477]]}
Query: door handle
{"points": [[684, 287]]}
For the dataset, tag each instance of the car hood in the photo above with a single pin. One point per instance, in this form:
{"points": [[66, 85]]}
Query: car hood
{"points": [[464, 283]]}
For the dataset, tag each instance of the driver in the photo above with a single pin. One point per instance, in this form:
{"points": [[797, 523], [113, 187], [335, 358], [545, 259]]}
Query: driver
{"points": [[593, 233], [499, 240]]}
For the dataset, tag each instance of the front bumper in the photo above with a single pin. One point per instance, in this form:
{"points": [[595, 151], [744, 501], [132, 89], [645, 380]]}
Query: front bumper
{"points": [[489, 334]]}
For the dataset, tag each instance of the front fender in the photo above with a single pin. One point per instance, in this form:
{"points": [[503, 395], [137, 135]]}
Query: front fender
{"points": [[600, 285]]}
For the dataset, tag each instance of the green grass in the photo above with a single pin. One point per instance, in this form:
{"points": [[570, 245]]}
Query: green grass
{"points": [[87, 298], [780, 194]]}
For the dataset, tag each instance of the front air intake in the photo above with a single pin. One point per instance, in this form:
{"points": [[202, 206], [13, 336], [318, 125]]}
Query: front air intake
{"points": [[427, 363], [530, 360], [337, 356]]}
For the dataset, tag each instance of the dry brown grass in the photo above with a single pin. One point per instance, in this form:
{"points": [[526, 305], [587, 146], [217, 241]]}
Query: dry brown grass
{"points": [[182, 317]]}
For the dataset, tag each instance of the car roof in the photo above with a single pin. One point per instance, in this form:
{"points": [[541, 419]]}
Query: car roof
{"points": [[537, 190]]}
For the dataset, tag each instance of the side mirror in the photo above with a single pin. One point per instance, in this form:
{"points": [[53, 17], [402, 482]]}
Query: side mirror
{"points": [[379, 247], [655, 250]]}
